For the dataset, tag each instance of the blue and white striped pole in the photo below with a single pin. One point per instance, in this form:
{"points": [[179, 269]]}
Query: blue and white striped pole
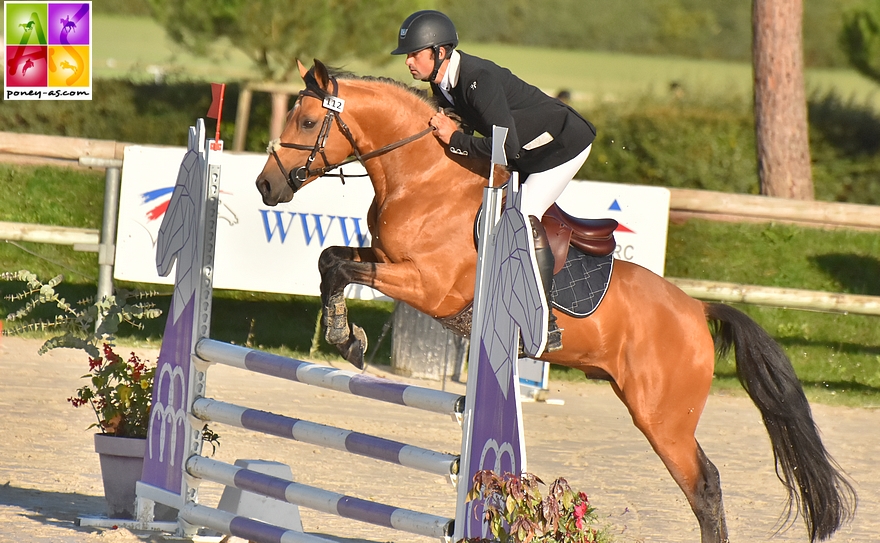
{"points": [[318, 499], [379, 448], [243, 527], [348, 382]]}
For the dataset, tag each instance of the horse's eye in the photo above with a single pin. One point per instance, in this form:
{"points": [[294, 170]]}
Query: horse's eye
{"points": [[308, 124]]}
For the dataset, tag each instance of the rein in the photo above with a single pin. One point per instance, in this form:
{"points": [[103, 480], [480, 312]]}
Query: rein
{"points": [[334, 106]]}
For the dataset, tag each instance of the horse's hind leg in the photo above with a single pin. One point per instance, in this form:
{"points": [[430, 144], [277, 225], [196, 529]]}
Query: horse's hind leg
{"points": [[704, 495], [671, 434]]}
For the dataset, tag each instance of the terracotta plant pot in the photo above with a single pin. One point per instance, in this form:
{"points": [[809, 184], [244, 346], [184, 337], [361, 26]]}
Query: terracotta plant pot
{"points": [[122, 461]]}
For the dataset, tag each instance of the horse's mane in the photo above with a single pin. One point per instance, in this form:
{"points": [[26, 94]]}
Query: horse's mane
{"points": [[340, 73]]}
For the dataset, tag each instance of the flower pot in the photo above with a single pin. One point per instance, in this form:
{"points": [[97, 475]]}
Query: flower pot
{"points": [[122, 461]]}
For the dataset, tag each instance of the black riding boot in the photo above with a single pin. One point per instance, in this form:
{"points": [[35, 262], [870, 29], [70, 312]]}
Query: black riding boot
{"points": [[545, 261]]}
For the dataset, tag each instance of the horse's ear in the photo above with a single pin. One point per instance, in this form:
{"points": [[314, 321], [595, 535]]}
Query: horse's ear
{"points": [[302, 69], [322, 75]]}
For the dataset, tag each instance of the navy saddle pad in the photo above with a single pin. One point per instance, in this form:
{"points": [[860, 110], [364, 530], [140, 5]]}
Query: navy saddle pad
{"points": [[581, 284]]}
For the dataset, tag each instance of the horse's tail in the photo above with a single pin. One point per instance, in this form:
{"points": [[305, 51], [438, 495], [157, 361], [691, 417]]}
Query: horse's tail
{"points": [[817, 489]]}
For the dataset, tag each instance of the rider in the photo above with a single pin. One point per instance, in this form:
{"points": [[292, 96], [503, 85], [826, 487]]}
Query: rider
{"points": [[547, 141]]}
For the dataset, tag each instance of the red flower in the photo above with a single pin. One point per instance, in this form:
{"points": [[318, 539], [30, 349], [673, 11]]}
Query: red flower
{"points": [[119, 393], [95, 363], [579, 511]]}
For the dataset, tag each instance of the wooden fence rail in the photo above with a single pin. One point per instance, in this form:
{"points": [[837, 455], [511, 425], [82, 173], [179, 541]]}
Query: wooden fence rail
{"points": [[791, 298], [687, 203], [56, 235], [55, 150]]}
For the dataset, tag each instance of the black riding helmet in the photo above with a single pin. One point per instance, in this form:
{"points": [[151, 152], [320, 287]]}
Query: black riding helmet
{"points": [[424, 29]]}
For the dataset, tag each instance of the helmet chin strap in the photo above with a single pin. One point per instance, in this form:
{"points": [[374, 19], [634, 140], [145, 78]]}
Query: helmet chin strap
{"points": [[437, 62]]}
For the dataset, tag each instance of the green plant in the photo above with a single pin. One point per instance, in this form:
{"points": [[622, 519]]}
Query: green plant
{"points": [[517, 513], [120, 393], [82, 325]]}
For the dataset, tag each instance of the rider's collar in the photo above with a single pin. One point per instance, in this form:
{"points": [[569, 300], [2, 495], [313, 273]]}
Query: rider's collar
{"points": [[450, 77]]}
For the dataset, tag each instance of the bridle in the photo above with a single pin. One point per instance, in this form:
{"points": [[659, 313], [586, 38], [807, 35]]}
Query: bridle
{"points": [[334, 106]]}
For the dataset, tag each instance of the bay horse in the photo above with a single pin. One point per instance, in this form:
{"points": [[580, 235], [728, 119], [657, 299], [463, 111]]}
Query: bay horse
{"points": [[653, 343]]}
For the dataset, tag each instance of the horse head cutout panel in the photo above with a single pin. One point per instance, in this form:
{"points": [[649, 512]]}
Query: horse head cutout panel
{"points": [[647, 338]]}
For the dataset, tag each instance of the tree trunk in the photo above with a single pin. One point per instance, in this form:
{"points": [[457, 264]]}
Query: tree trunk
{"points": [[780, 103]]}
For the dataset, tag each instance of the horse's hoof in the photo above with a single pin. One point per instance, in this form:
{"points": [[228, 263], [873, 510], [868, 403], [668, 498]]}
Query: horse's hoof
{"points": [[554, 335], [554, 341], [336, 321], [355, 347]]}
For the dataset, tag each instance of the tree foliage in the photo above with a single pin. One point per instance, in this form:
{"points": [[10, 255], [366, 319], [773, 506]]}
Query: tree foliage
{"points": [[274, 33], [711, 29], [860, 38]]}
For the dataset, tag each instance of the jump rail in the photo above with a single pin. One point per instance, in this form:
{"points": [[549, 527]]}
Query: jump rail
{"points": [[330, 378], [326, 436], [321, 500]]}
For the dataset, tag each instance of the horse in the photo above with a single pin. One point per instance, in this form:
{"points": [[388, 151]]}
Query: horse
{"points": [[652, 343], [67, 25]]}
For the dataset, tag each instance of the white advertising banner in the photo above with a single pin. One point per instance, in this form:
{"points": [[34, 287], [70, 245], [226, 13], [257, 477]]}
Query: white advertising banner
{"points": [[276, 249]]}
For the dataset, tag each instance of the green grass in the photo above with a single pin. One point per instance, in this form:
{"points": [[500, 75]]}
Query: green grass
{"points": [[51, 196], [55, 196], [837, 357], [135, 47], [776, 255]]}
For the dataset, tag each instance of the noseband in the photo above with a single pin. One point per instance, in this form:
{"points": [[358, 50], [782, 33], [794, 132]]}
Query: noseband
{"points": [[334, 106]]}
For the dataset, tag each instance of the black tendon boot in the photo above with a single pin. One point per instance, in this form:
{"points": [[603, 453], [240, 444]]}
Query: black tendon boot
{"points": [[545, 261]]}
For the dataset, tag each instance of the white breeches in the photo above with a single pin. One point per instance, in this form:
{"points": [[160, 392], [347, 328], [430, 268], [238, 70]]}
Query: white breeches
{"points": [[545, 187]]}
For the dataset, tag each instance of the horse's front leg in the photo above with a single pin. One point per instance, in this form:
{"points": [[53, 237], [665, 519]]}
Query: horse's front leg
{"points": [[337, 266], [342, 266]]}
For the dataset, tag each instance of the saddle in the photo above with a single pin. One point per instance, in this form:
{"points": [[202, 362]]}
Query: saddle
{"points": [[592, 236]]}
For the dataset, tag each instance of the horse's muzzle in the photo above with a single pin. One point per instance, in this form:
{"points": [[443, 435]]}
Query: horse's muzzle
{"points": [[270, 197]]}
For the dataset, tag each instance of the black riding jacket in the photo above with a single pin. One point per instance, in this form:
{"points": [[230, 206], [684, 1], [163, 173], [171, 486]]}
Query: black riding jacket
{"points": [[544, 131]]}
